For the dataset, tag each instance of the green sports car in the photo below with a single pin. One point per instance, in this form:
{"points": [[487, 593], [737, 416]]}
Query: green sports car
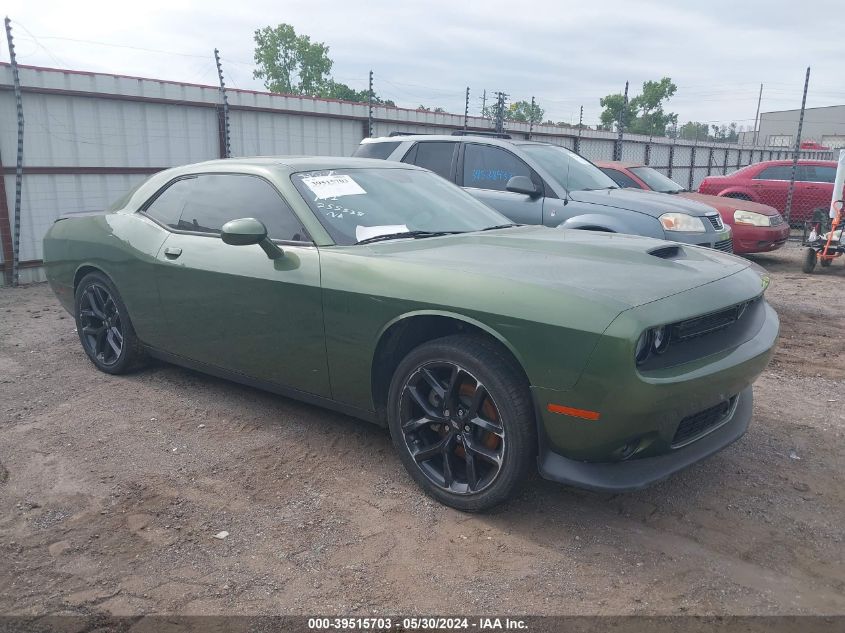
{"points": [[379, 289]]}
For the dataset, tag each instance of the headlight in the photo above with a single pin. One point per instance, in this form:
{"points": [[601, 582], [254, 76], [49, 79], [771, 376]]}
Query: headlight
{"points": [[749, 217], [682, 222], [654, 340]]}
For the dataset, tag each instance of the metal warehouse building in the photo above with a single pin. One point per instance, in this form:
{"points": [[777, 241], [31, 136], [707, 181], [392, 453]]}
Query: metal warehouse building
{"points": [[825, 126]]}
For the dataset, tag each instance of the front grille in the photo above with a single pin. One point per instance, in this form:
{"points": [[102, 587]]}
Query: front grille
{"points": [[726, 246], [699, 423], [707, 323], [716, 221]]}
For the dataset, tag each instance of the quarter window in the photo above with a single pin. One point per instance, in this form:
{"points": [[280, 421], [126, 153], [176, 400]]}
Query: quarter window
{"points": [[434, 156], [487, 167], [816, 173], [207, 201]]}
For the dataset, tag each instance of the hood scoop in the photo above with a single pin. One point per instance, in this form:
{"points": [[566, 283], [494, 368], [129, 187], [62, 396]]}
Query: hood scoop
{"points": [[672, 251]]}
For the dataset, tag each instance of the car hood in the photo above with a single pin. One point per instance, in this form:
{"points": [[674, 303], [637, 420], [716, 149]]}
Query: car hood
{"points": [[622, 269], [641, 201], [729, 205]]}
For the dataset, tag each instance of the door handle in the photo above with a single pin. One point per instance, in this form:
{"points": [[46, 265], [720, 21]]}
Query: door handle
{"points": [[172, 252]]}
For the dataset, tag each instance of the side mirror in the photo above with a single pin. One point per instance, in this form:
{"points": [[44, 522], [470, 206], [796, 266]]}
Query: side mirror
{"points": [[522, 184], [248, 231]]}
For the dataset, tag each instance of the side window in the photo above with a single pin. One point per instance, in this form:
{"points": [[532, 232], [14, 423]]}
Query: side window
{"points": [[434, 156], [817, 173], [620, 178], [206, 202], [776, 172], [488, 167], [167, 206]]}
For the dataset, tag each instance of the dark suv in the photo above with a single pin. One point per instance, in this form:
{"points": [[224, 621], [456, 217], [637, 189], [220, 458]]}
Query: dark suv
{"points": [[540, 183]]}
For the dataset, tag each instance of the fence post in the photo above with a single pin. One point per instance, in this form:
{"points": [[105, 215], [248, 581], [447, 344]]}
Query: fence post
{"points": [[710, 161], [222, 112], [797, 148], [672, 152], [620, 125], [648, 151], [466, 111], [692, 163], [580, 125], [725, 165], [370, 108], [16, 228]]}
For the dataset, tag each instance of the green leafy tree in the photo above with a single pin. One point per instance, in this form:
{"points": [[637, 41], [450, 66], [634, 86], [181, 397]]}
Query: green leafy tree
{"points": [[725, 133], [522, 111], [437, 110], [336, 90], [291, 63], [644, 113], [694, 131]]}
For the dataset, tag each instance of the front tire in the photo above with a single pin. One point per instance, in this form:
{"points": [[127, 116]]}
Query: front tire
{"points": [[460, 415], [809, 264], [104, 327]]}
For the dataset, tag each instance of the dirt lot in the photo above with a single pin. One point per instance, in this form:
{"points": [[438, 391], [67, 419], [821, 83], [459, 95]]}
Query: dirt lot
{"points": [[112, 488]]}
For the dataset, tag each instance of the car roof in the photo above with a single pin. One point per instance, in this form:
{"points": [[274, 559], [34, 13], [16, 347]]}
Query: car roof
{"points": [[487, 140], [801, 161], [295, 163]]}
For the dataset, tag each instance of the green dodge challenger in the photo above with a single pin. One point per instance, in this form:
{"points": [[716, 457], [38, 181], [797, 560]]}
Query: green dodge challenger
{"points": [[380, 290]]}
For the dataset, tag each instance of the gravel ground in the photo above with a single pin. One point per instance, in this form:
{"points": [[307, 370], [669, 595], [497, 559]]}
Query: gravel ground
{"points": [[112, 489]]}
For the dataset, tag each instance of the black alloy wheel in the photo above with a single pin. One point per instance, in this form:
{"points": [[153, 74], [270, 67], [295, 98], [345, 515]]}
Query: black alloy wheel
{"points": [[452, 428]]}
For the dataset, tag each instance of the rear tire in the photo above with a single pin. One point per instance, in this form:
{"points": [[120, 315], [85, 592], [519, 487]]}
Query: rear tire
{"points": [[104, 327], [460, 415], [809, 264]]}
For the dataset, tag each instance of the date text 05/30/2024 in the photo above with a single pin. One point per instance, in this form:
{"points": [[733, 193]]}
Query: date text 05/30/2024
{"points": [[411, 623]]}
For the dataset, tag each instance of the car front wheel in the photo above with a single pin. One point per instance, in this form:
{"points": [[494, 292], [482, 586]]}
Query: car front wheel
{"points": [[460, 416]]}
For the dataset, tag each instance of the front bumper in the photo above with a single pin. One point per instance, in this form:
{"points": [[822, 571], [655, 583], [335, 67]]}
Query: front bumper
{"points": [[759, 239], [719, 240], [640, 416], [636, 474]]}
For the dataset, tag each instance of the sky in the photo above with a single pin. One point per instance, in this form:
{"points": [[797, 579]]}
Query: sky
{"points": [[565, 54]]}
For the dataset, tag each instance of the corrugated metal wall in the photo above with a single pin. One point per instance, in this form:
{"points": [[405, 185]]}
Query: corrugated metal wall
{"points": [[89, 137]]}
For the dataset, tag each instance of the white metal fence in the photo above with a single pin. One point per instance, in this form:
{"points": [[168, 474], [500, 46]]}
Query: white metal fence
{"points": [[89, 137]]}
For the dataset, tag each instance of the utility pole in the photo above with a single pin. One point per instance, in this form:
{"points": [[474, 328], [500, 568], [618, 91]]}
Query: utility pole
{"points": [[531, 119], [500, 112], [797, 147], [484, 103], [370, 108], [580, 125], [466, 111], [757, 116], [225, 145], [16, 225], [620, 125]]}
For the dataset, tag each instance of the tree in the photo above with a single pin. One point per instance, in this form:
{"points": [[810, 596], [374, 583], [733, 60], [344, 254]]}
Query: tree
{"points": [[694, 131], [291, 63], [436, 110], [725, 133], [521, 111], [644, 113], [336, 90]]}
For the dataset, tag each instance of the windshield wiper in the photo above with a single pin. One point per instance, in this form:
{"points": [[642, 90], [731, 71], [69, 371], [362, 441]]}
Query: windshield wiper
{"points": [[500, 226], [406, 234]]}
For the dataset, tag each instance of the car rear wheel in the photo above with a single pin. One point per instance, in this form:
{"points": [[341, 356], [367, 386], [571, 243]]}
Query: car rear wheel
{"points": [[460, 415], [104, 328], [809, 264]]}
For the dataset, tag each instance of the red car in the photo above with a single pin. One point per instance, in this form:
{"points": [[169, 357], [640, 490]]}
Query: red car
{"points": [[757, 228], [768, 183]]}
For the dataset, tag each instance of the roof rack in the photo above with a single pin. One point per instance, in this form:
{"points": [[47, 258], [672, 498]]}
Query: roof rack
{"points": [[490, 134], [407, 134]]}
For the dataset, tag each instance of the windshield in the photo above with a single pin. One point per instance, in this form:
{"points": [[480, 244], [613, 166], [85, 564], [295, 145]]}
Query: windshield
{"points": [[568, 168], [359, 204], [656, 181]]}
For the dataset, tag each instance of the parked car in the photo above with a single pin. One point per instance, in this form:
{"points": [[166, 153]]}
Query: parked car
{"points": [[768, 183], [383, 291], [757, 228], [539, 183]]}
